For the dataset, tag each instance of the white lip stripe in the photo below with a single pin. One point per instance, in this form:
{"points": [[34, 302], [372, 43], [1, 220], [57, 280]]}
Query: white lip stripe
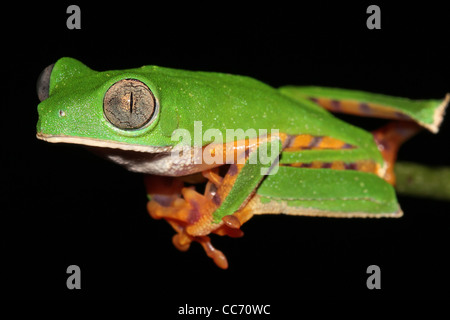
{"points": [[102, 143]]}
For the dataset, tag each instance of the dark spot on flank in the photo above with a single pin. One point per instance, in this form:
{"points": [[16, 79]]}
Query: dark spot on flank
{"points": [[314, 99], [306, 165], [402, 116], [289, 141], [364, 108], [347, 146], [232, 170], [326, 165], [315, 142], [335, 104], [350, 166], [246, 153]]}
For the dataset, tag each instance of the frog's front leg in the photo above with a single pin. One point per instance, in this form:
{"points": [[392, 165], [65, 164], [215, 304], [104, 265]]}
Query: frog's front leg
{"points": [[220, 209], [190, 213], [180, 206]]}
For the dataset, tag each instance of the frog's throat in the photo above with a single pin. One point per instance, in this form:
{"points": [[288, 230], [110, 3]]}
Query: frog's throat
{"points": [[102, 143]]}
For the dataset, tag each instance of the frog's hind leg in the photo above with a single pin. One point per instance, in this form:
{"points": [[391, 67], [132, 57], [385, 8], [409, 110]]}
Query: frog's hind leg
{"points": [[389, 139], [362, 109], [427, 113], [409, 115]]}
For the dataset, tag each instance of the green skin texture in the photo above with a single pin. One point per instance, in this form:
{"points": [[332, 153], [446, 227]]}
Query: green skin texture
{"points": [[225, 101]]}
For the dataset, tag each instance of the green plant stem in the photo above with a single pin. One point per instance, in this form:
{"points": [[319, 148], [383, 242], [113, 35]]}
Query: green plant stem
{"points": [[422, 181]]}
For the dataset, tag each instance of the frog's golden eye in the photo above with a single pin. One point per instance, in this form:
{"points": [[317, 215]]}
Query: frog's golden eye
{"points": [[129, 104]]}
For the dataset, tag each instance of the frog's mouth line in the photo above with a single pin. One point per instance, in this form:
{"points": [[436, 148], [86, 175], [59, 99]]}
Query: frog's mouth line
{"points": [[136, 158], [101, 143]]}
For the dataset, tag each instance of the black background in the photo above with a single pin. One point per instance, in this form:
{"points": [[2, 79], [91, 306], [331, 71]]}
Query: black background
{"points": [[62, 205]]}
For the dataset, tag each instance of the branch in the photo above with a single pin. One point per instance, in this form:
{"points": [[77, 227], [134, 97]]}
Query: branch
{"points": [[422, 181]]}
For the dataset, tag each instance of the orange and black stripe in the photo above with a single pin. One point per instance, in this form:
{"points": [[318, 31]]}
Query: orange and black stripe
{"points": [[309, 142], [360, 165], [360, 108]]}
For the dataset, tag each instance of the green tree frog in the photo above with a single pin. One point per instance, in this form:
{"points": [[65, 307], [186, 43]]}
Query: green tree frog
{"points": [[217, 148]]}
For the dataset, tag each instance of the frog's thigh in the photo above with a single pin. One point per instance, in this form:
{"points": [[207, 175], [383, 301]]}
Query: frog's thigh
{"points": [[427, 113], [364, 109], [325, 192]]}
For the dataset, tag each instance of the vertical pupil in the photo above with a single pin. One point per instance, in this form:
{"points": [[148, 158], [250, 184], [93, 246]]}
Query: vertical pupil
{"points": [[128, 104], [131, 102]]}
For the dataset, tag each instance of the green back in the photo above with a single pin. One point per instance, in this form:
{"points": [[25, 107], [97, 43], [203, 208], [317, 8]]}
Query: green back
{"points": [[220, 101]]}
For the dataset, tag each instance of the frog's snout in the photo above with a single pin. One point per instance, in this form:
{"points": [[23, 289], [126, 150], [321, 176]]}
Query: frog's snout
{"points": [[43, 83]]}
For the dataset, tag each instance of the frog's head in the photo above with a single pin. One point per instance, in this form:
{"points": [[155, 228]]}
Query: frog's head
{"points": [[111, 109], [116, 112]]}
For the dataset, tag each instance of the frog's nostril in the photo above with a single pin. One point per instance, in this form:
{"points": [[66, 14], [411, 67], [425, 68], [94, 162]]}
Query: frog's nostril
{"points": [[43, 83]]}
